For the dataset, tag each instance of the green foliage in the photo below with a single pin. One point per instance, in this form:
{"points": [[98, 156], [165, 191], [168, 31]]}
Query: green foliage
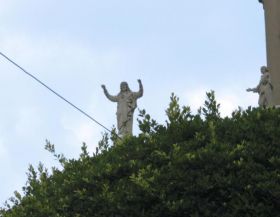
{"points": [[211, 107], [193, 165]]}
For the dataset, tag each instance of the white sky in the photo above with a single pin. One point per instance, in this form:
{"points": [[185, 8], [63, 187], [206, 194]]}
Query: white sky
{"points": [[181, 46]]}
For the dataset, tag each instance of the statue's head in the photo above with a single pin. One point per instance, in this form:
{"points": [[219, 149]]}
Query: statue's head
{"points": [[264, 69], [124, 86]]}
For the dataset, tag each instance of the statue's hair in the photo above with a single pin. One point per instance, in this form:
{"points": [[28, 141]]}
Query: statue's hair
{"points": [[264, 68], [124, 82]]}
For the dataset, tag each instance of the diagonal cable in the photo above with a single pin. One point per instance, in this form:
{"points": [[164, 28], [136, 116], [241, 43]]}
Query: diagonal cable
{"points": [[54, 92]]}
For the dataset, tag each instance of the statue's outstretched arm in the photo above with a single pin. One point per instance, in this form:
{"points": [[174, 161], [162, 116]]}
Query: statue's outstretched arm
{"points": [[141, 90], [110, 97], [255, 90]]}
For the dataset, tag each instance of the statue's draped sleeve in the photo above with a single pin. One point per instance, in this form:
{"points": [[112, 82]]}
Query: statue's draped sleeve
{"points": [[110, 97]]}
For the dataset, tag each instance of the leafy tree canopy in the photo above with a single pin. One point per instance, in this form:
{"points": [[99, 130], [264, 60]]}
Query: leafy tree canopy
{"points": [[194, 165]]}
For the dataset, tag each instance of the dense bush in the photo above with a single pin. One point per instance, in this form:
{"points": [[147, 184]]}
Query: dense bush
{"points": [[194, 165]]}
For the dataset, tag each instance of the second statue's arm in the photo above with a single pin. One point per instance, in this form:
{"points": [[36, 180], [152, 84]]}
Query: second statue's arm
{"points": [[255, 90], [110, 97]]}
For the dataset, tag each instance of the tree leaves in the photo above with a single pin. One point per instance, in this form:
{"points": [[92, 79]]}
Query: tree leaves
{"points": [[192, 165]]}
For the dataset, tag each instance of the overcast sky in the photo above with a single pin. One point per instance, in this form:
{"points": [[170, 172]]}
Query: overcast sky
{"points": [[181, 46]]}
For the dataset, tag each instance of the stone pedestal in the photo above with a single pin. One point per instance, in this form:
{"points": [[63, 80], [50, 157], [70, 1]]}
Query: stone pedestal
{"points": [[272, 27]]}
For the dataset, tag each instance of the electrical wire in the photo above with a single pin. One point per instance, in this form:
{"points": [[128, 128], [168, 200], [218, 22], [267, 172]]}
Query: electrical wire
{"points": [[54, 92]]}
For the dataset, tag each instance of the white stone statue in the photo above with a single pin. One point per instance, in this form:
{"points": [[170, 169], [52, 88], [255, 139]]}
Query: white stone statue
{"points": [[127, 102], [264, 88]]}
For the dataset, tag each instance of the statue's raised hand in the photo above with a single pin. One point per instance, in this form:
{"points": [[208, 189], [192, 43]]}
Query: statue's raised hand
{"points": [[139, 81], [103, 87]]}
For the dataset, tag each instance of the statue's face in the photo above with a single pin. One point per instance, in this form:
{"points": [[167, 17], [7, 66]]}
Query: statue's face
{"points": [[124, 86], [264, 69]]}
